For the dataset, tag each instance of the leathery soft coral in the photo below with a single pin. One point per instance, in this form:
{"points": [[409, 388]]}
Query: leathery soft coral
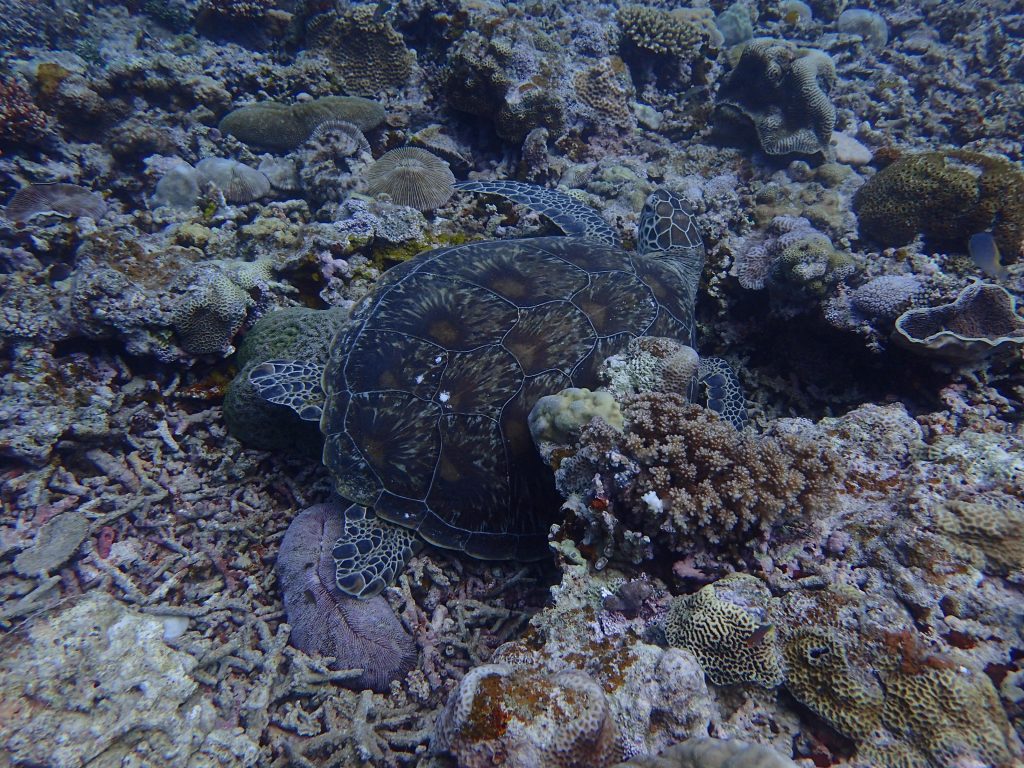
{"points": [[680, 479]]}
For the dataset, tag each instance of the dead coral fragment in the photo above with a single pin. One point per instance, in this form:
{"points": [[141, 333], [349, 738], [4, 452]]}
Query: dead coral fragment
{"points": [[367, 52], [982, 321], [500, 716], [61, 199], [413, 177], [783, 91], [725, 625], [947, 197]]}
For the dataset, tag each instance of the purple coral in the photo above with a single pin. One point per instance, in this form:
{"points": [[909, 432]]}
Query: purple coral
{"points": [[363, 634]]}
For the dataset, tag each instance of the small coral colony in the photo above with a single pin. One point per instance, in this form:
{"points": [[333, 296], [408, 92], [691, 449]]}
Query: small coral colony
{"points": [[483, 383]]}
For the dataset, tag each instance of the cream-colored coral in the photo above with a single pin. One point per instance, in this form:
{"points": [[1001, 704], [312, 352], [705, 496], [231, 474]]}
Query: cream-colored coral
{"points": [[659, 32], [607, 89], [726, 626], [558, 418]]}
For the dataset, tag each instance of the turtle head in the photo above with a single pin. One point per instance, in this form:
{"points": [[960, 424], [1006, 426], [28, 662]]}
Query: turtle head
{"points": [[667, 225]]}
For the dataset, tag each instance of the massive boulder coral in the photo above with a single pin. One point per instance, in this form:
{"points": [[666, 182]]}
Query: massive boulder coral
{"points": [[712, 753], [946, 196], [279, 126], [500, 716], [782, 91], [368, 55], [681, 480]]}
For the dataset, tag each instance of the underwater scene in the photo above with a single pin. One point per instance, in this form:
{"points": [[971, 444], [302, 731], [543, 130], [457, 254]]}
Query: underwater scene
{"points": [[472, 383]]}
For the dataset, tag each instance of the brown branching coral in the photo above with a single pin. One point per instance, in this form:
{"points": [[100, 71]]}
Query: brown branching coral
{"points": [[683, 480], [21, 121]]}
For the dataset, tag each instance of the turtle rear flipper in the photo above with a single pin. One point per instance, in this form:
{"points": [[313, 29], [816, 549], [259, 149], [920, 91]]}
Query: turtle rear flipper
{"points": [[294, 383], [371, 552], [722, 391]]}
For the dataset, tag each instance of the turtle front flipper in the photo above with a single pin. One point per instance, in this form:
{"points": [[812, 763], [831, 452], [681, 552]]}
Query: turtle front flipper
{"points": [[722, 391], [295, 383], [371, 552], [572, 217]]}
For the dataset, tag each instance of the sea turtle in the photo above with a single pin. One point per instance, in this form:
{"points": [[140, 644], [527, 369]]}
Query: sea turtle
{"points": [[425, 395]]}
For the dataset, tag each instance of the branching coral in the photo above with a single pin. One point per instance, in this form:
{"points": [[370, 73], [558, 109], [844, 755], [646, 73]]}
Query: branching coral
{"points": [[21, 121], [686, 480], [658, 32]]}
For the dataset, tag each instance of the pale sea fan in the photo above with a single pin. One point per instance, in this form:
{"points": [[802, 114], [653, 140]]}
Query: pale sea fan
{"points": [[58, 198], [412, 176]]}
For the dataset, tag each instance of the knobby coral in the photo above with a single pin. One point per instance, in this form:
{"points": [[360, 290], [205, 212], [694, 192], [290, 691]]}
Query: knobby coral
{"points": [[687, 481]]}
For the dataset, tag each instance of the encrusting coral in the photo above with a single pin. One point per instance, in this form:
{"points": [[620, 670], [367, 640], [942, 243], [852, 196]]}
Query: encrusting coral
{"points": [[946, 196], [783, 92], [285, 126]]}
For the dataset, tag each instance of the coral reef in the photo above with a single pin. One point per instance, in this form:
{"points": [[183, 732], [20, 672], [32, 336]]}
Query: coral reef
{"points": [[947, 197], [653, 31], [558, 418], [870, 26], [782, 91], [982, 321], [411, 176], [356, 634], [21, 121]]}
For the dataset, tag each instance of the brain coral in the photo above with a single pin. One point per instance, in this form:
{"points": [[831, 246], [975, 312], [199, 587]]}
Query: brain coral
{"points": [[366, 51], [285, 126], [947, 197], [783, 92], [725, 625], [699, 482], [502, 716]]}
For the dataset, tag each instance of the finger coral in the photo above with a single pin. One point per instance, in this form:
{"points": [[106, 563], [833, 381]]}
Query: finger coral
{"points": [[947, 197], [783, 92], [659, 32]]}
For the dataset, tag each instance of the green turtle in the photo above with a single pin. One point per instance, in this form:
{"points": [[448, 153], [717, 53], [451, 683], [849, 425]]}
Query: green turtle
{"points": [[426, 392]]}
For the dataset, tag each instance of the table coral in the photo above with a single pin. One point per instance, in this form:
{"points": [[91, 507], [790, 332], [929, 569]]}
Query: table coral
{"points": [[783, 92], [947, 197], [726, 626]]}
